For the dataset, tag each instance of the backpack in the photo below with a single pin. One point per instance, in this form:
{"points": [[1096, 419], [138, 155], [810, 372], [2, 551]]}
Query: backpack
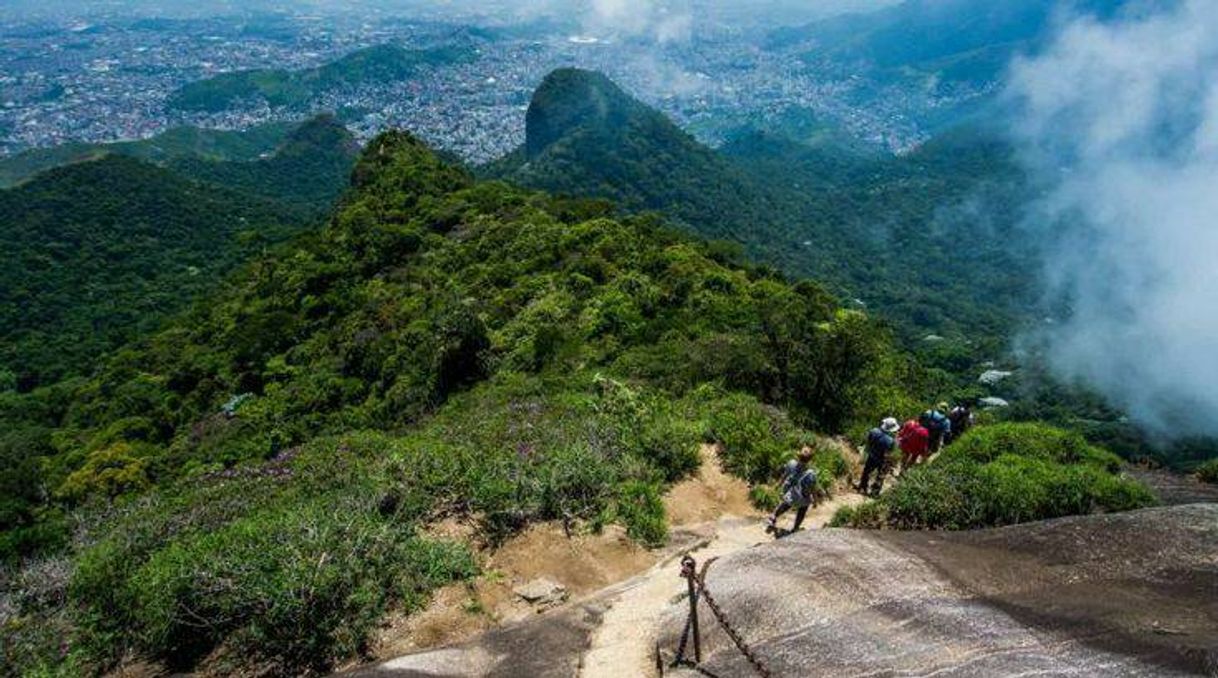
{"points": [[793, 488], [878, 442], [938, 421]]}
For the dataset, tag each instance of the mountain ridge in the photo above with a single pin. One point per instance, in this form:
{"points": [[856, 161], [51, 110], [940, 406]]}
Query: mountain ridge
{"points": [[107, 247], [294, 89], [819, 212]]}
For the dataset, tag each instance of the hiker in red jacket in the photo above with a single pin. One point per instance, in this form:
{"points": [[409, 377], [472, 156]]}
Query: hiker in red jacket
{"points": [[914, 441]]}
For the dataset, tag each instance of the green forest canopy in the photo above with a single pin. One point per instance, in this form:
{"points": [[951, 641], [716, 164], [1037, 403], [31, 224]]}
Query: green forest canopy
{"points": [[101, 251]]}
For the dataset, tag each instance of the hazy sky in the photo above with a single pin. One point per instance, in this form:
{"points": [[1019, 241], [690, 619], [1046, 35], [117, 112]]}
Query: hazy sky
{"points": [[638, 16], [1123, 119]]}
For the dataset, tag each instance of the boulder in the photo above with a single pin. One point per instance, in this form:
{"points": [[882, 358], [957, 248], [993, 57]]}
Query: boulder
{"points": [[993, 402], [994, 377], [542, 593]]}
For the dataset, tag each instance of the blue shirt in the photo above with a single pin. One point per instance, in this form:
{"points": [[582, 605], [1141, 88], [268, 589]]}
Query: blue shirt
{"points": [[879, 444]]}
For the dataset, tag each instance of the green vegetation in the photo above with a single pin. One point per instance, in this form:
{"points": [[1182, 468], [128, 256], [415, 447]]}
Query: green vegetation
{"points": [[921, 240], [425, 283], [587, 137], [872, 227], [246, 487], [1002, 475], [100, 252], [1208, 472], [173, 144], [309, 167], [294, 89]]}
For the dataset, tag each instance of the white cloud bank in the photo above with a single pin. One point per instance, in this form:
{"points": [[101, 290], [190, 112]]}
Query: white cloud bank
{"points": [[1122, 118]]}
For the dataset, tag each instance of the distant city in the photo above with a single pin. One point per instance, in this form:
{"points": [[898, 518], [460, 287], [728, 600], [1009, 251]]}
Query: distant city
{"points": [[101, 79]]}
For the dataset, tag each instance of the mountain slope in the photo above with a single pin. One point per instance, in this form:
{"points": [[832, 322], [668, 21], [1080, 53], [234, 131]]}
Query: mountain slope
{"points": [[102, 250], [929, 34], [308, 168], [99, 251], [585, 136], [440, 347], [902, 234], [943, 59]]}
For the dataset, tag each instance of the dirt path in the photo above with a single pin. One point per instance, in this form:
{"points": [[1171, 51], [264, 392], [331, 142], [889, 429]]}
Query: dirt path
{"points": [[624, 642], [617, 590]]}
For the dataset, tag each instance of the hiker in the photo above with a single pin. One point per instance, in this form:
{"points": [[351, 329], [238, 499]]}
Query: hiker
{"points": [[798, 489], [961, 419], [879, 443], [939, 426], [914, 442]]}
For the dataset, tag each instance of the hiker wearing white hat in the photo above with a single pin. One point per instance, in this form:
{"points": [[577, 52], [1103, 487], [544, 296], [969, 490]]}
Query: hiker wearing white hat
{"points": [[880, 442]]}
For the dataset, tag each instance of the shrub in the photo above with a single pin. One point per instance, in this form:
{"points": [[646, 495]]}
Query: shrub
{"points": [[1011, 473], [755, 440], [985, 444], [109, 472], [765, 497], [523, 450], [1208, 472], [870, 515], [933, 497], [641, 508], [294, 585]]}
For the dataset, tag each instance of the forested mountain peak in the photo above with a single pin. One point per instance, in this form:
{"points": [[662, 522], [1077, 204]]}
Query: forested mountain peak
{"points": [[569, 100], [309, 168], [589, 138], [837, 212], [100, 250]]}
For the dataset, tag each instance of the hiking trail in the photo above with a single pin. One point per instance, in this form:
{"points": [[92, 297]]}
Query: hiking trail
{"points": [[624, 643], [615, 592]]}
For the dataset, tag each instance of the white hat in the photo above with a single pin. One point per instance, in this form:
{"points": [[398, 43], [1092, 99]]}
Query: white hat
{"points": [[890, 425]]}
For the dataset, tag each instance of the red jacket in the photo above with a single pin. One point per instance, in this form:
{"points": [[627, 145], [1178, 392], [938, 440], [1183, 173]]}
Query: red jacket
{"points": [[914, 438]]}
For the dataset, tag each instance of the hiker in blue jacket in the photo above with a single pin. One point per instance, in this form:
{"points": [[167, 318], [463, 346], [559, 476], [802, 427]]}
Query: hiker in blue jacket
{"points": [[939, 426], [798, 489], [880, 442]]}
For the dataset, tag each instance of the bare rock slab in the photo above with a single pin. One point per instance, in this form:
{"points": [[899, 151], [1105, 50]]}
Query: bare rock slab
{"points": [[1133, 594]]}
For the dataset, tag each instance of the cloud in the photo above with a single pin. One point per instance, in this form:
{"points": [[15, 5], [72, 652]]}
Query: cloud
{"points": [[662, 22], [1121, 120]]}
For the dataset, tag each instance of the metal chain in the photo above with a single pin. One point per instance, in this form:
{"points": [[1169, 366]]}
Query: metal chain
{"points": [[689, 622], [687, 571], [737, 639]]}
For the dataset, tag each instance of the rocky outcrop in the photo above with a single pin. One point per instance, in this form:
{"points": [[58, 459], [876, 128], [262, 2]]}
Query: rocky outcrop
{"points": [[994, 377], [542, 593], [1131, 594]]}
